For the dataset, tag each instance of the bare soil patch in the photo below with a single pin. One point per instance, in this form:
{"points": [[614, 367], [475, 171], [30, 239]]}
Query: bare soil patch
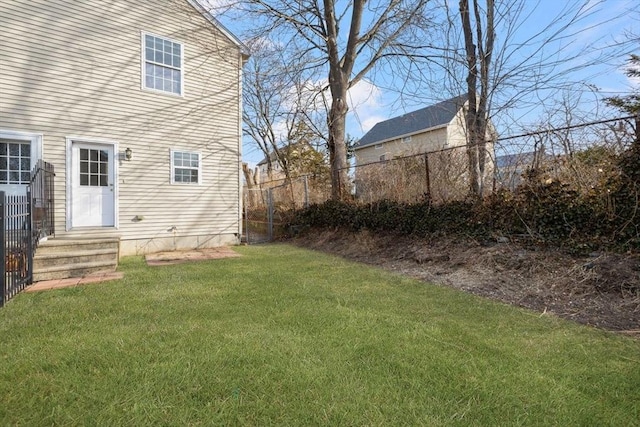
{"points": [[179, 257], [601, 290]]}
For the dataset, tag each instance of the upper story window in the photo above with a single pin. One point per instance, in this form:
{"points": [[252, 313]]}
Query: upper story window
{"points": [[185, 167], [163, 64], [378, 146], [406, 139]]}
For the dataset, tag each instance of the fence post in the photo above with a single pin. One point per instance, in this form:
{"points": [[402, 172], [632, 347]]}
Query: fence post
{"points": [[270, 213], [428, 178], [32, 238], [247, 197], [306, 192], [3, 248]]}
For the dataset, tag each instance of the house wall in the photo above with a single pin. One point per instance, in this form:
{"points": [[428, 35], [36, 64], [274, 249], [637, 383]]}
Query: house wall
{"points": [[73, 69], [456, 133], [420, 143], [405, 180]]}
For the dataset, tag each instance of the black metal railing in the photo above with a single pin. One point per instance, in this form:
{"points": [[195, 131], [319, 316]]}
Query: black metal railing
{"points": [[42, 200], [16, 250], [24, 220]]}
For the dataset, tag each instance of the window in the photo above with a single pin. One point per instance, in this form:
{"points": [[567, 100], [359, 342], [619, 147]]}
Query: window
{"points": [[162, 67], [406, 139], [185, 167], [94, 167], [378, 146], [383, 158], [15, 162]]}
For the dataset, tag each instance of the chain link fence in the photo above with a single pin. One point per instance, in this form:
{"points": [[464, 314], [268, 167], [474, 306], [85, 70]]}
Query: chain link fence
{"points": [[581, 156], [269, 207]]}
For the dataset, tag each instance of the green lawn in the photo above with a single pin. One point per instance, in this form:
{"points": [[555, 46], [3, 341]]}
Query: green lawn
{"points": [[285, 336]]}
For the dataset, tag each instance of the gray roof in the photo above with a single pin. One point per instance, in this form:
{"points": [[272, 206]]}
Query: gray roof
{"points": [[514, 160], [436, 115]]}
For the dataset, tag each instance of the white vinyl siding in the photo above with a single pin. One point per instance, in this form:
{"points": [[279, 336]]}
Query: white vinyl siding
{"points": [[431, 140], [60, 79], [162, 64]]}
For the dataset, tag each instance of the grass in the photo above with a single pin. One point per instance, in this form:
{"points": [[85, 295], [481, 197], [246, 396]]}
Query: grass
{"points": [[285, 336]]}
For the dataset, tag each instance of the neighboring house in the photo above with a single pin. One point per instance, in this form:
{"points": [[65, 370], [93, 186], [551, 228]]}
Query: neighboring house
{"points": [[437, 129], [428, 129], [511, 167], [137, 104], [269, 169], [300, 157]]}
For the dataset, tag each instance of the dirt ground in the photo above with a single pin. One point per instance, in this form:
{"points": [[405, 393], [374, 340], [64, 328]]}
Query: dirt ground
{"points": [[601, 290]]}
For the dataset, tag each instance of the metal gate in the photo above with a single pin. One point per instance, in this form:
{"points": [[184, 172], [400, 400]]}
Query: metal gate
{"points": [[258, 215], [269, 208]]}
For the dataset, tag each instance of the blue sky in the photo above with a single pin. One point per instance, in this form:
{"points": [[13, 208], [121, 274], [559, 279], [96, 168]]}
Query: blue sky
{"points": [[606, 22]]}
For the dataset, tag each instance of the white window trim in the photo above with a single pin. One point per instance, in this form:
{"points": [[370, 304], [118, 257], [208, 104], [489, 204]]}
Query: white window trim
{"points": [[406, 139], [69, 140], [172, 151], [143, 62], [35, 139]]}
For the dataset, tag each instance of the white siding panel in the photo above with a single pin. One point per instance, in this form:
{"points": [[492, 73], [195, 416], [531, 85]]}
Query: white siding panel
{"points": [[425, 142], [73, 68]]}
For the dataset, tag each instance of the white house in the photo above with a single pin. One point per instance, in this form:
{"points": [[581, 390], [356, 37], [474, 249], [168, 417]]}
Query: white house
{"points": [[429, 129], [437, 132], [137, 104]]}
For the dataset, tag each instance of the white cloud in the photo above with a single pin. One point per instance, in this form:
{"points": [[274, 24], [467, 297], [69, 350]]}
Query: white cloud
{"points": [[366, 107], [371, 122], [364, 95]]}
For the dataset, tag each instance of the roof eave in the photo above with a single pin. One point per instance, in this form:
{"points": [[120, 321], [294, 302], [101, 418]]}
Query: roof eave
{"points": [[244, 50]]}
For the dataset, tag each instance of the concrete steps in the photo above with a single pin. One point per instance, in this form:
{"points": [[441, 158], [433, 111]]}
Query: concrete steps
{"points": [[66, 258]]}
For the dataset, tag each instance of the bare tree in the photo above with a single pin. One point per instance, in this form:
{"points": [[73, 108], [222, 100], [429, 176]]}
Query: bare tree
{"points": [[278, 103], [478, 43], [509, 67], [343, 41]]}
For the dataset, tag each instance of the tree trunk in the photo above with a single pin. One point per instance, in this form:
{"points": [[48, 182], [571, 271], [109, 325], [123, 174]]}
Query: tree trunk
{"points": [[338, 148], [471, 115], [250, 177], [478, 55]]}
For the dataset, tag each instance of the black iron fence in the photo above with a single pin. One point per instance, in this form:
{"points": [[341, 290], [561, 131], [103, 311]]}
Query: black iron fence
{"points": [[17, 269], [42, 199], [25, 220]]}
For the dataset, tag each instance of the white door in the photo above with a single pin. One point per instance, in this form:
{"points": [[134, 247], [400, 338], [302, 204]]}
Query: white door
{"points": [[92, 181]]}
